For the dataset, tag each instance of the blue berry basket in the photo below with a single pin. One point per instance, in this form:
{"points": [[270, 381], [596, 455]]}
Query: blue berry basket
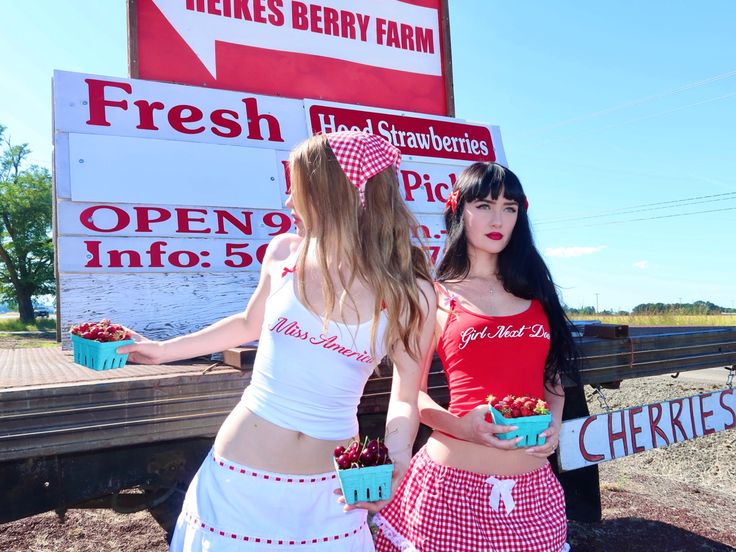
{"points": [[365, 484], [529, 427], [99, 356]]}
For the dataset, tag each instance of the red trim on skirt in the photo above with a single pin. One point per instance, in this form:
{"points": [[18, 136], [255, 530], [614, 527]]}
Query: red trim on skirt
{"points": [[440, 509]]}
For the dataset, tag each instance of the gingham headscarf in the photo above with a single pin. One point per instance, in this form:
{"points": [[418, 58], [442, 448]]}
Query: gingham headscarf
{"points": [[362, 155]]}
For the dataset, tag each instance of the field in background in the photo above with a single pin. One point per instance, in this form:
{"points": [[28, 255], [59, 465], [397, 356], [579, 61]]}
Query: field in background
{"points": [[661, 319]]}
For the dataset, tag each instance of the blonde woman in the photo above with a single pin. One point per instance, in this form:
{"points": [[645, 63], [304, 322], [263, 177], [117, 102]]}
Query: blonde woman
{"points": [[330, 303]]}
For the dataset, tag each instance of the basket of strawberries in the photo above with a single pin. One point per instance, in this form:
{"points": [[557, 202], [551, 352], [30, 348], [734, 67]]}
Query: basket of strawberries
{"points": [[529, 414], [95, 344], [365, 470]]}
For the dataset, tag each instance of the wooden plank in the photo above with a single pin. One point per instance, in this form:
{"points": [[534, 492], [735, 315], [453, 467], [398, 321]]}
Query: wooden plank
{"points": [[185, 303]]}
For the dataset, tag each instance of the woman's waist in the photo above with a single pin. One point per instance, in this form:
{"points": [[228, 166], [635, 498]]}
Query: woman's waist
{"points": [[252, 440], [465, 455]]}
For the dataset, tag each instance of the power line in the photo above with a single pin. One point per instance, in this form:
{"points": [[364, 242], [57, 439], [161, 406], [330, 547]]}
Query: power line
{"points": [[635, 102], [648, 207], [644, 219]]}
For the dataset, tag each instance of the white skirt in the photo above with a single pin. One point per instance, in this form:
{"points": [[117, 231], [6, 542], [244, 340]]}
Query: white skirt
{"points": [[232, 508]]}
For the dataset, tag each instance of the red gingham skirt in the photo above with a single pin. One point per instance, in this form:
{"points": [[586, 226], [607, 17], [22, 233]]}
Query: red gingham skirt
{"points": [[443, 509]]}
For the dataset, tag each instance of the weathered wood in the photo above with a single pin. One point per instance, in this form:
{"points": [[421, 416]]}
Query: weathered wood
{"points": [[606, 331], [60, 419], [185, 302], [241, 358]]}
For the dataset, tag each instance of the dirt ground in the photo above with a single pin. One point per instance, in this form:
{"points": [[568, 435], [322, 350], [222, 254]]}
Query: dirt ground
{"points": [[681, 498]]}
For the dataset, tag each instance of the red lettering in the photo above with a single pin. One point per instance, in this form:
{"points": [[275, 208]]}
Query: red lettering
{"points": [[315, 19], [363, 21], [98, 102], [177, 118], [213, 7], [258, 10], [116, 258], [199, 8], [726, 407], [254, 119], [654, 425], [635, 429], [347, 22], [245, 226], [276, 17], [231, 125], [407, 37], [299, 18], [331, 21], [620, 435], [675, 420], [144, 219], [191, 259], [240, 10], [155, 253], [425, 40], [704, 414], [145, 114], [692, 416], [184, 219], [442, 186], [409, 185], [86, 217], [93, 248], [287, 176], [589, 457]]}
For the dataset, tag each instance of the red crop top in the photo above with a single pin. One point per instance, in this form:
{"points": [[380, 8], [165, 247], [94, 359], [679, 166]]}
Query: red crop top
{"points": [[497, 355]]}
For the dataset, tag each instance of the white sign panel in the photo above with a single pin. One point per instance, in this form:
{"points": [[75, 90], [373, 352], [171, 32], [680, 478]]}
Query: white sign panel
{"points": [[603, 437], [93, 104], [157, 171]]}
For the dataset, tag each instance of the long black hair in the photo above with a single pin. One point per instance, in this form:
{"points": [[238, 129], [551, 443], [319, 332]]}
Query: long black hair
{"points": [[521, 268]]}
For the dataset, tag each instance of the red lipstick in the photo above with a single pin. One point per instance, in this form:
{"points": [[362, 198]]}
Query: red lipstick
{"points": [[495, 236]]}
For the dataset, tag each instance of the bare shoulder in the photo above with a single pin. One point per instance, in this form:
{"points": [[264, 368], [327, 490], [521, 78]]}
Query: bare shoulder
{"points": [[281, 247], [427, 290]]}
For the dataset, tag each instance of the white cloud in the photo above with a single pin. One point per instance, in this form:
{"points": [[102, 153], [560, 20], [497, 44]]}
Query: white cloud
{"points": [[572, 251], [641, 264]]}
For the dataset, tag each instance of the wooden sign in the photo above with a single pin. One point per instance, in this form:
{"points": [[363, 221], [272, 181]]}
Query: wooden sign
{"points": [[167, 195], [612, 435], [386, 53]]}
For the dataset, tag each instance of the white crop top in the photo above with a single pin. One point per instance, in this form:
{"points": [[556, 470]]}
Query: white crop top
{"points": [[307, 380]]}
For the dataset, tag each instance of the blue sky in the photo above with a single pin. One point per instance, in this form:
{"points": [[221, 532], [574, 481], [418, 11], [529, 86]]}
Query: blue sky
{"points": [[609, 111]]}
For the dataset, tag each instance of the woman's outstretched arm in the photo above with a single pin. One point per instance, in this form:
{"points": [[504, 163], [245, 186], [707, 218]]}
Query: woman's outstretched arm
{"points": [[229, 332]]}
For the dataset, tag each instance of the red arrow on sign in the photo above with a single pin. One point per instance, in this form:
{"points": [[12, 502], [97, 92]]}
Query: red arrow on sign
{"points": [[386, 53]]}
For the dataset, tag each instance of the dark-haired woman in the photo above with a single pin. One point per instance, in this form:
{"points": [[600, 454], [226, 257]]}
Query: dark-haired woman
{"points": [[500, 330]]}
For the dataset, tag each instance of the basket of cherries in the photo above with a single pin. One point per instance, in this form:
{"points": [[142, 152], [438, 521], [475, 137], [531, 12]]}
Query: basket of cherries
{"points": [[530, 414], [365, 470], [95, 344]]}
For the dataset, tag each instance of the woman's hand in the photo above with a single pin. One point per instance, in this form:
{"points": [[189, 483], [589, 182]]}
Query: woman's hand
{"points": [[552, 434], [476, 429], [373, 507], [143, 351]]}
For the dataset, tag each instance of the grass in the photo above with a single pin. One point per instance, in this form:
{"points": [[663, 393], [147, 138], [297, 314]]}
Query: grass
{"points": [[661, 319], [15, 325]]}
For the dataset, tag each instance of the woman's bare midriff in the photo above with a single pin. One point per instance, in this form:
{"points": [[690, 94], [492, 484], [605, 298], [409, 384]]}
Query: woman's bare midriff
{"points": [[464, 455], [248, 439]]}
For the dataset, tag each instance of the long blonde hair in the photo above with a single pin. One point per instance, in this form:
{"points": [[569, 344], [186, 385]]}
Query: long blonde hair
{"points": [[371, 242]]}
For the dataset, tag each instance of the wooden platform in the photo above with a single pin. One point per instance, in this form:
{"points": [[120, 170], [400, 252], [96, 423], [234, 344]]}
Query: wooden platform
{"points": [[50, 406]]}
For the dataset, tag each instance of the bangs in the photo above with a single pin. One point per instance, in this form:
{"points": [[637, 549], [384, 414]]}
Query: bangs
{"points": [[491, 179]]}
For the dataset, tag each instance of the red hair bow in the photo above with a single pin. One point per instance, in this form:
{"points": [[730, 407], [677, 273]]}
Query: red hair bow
{"points": [[451, 202]]}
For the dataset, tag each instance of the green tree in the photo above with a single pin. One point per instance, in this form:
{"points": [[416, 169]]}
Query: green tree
{"points": [[26, 248]]}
